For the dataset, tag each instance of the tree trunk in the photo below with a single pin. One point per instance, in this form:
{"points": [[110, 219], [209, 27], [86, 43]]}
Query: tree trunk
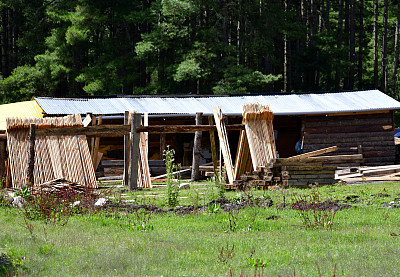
{"points": [[346, 40], [352, 43], [360, 45], [4, 43], [384, 47], [396, 53], [376, 12], [339, 44]]}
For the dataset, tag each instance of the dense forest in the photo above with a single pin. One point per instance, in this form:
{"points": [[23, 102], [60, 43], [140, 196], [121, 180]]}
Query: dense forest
{"points": [[97, 47]]}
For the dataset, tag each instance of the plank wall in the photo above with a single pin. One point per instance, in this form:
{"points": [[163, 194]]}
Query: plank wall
{"points": [[374, 132]]}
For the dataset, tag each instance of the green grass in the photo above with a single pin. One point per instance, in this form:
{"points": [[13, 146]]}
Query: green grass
{"points": [[360, 242]]}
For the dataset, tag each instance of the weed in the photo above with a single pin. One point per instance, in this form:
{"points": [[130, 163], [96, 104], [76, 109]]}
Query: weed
{"points": [[313, 212], [226, 254], [218, 182], [10, 262], [139, 220], [172, 188], [213, 208], [233, 218], [29, 226]]}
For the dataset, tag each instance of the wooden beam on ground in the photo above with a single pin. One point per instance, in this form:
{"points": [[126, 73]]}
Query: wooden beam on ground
{"points": [[315, 153], [196, 149], [134, 151], [121, 130], [126, 152], [31, 159]]}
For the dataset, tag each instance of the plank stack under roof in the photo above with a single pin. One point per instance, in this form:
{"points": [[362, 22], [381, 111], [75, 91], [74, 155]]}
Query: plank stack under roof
{"points": [[64, 157]]}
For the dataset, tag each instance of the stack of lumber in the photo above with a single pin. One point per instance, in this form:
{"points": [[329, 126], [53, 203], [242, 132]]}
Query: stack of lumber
{"points": [[260, 133], [64, 157], [306, 169]]}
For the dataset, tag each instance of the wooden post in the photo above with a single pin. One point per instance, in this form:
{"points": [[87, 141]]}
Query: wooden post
{"points": [[196, 149], [126, 152], [213, 148], [96, 146], [134, 151], [163, 145], [92, 140], [31, 160]]}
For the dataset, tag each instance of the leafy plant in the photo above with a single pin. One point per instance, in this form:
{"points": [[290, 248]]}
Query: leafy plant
{"points": [[233, 219], [213, 208], [172, 187]]}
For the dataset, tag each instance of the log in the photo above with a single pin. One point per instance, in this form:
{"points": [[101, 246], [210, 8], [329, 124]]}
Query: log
{"points": [[112, 163], [344, 129]]}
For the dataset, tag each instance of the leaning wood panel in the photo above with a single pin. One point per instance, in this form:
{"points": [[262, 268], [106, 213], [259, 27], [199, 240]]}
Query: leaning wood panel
{"points": [[65, 157], [224, 144]]}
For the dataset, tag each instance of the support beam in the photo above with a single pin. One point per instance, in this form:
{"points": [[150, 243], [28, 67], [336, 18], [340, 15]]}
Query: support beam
{"points": [[121, 130], [126, 152], [134, 151], [196, 149]]}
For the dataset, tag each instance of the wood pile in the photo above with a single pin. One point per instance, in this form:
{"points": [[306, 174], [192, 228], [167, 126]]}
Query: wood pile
{"points": [[63, 157], [260, 134]]}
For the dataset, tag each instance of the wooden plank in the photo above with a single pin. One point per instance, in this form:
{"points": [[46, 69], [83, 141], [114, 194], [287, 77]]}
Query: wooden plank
{"points": [[315, 153], [337, 158], [87, 120], [134, 151], [31, 159], [213, 148], [224, 144], [112, 163]]}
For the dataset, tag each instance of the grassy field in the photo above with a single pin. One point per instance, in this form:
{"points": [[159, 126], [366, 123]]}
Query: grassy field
{"points": [[364, 240]]}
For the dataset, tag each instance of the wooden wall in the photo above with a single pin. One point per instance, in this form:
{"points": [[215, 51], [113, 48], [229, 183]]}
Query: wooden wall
{"points": [[374, 132]]}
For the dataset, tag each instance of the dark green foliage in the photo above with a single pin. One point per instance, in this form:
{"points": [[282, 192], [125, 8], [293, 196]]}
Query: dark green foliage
{"points": [[71, 48]]}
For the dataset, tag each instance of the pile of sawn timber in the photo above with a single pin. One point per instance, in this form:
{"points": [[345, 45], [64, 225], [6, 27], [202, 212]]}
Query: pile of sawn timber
{"points": [[258, 144]]}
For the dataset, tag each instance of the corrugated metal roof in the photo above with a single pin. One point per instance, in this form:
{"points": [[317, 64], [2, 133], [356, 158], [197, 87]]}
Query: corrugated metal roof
{"points": [[290, 104], [27, 109]]}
